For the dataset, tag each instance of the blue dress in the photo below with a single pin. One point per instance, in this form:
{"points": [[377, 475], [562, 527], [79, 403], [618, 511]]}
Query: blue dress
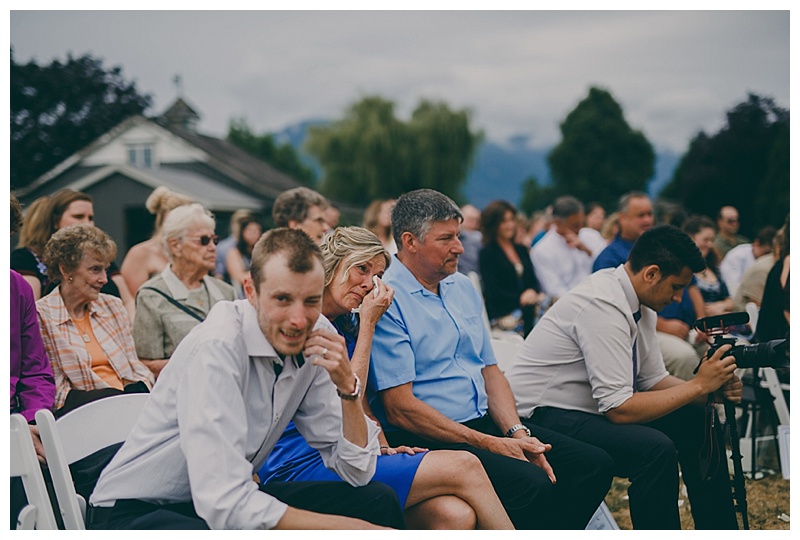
{"points": [[293, 459]]}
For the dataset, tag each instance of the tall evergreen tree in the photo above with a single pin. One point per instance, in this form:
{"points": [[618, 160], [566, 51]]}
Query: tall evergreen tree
{"points": [[600, 157], [59, 108], [745, 164]]}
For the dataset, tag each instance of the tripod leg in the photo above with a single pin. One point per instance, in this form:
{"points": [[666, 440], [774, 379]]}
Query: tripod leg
{"points": [[739, 493]]}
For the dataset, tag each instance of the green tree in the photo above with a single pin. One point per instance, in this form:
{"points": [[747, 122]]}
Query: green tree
{"points": [[745, 164], [600, 157], [281, 156], [59, 108], [535, 196], [371, 154]]}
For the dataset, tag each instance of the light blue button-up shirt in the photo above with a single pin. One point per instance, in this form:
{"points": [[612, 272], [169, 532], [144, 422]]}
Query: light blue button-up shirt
{"points": [[437, 342]]}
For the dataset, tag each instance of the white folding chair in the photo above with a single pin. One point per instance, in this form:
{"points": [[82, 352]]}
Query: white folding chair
{"points": [[80, 433], [38, 514], [506, 349]]}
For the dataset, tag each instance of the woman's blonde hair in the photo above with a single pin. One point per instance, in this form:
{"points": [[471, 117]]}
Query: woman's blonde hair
{"points": [[162, 200], [347, 247]]}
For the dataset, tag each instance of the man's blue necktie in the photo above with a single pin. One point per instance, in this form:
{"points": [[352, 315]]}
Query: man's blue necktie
{"points": [[636, 317]]}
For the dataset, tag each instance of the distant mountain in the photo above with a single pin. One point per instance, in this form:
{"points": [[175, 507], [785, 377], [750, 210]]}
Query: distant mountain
{"points": [[499, 170]]}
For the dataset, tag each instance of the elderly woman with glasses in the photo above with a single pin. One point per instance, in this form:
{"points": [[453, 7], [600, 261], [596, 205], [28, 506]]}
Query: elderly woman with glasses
{"points": [[86, 333], [170, 304], [441, 489]]}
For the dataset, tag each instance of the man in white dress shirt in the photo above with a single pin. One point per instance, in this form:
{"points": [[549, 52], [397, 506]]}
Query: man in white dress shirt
{"points": [[742, 257], [229, 391], [560, 259], [592, 369]]}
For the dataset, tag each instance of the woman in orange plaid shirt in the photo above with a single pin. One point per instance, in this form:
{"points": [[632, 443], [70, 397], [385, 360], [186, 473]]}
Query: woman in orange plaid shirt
{"points": [[86, 334]]}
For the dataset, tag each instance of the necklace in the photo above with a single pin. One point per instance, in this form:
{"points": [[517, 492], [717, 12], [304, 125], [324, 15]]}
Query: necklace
{"points": [[84, 327]]}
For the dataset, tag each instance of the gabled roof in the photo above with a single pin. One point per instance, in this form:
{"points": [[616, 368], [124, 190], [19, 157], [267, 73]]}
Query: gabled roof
{"points": [[239, 165], [230, 161]]}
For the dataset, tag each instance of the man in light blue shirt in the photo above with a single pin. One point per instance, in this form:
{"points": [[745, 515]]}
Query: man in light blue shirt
{"points": [[435, 382]]}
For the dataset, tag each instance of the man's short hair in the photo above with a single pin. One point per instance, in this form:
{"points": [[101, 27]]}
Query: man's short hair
{"points": [[765, 236], [293, 205], [622, 207], [417, 211], [299, 249], [669, 248], [566, 206]]}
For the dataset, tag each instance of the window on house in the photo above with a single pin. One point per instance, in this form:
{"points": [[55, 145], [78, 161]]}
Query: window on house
{"points": [[141, 155]]}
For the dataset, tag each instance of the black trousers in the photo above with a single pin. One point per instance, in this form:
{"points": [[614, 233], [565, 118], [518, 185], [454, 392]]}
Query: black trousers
{"points": [[583, 476], [376, 503], [648, 455]]}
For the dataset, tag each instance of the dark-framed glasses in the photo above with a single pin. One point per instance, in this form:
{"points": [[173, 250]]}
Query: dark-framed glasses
{"points": [[206, 239]]}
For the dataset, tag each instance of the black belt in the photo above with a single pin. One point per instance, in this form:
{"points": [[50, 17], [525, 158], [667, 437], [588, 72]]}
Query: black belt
{"points": [[97, 516]]}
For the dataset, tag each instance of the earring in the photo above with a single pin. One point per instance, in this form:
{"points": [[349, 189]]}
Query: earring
{"points": [[69, 279]]}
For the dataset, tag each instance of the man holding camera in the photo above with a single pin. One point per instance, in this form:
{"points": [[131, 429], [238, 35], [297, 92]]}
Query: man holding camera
{"points": [[592, 369]]}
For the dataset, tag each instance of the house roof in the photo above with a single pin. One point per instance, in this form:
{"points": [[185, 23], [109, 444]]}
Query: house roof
{"points": [[252, 174], [239, 165]]}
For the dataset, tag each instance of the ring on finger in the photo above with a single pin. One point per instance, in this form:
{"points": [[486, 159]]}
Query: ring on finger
{"points": [[324, 352]]}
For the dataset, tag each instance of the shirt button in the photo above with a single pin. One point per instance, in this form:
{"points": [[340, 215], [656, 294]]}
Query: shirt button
{"points": [[276, 418]]}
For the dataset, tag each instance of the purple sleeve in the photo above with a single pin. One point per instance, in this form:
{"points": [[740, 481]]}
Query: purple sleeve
{"points": [[32, 383]]}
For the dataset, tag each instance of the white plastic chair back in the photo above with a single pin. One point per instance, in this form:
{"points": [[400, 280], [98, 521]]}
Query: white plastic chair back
{"points": [[78, 434], [506, 350], [38, 513]]}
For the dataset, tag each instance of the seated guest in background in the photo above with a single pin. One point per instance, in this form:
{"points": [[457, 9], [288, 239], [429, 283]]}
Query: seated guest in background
{"points": [[378, 219], [232, 388], [434, 380], [227, 243], [31, 378], [635, 215], [472, 240], [438, 490], [739, 259], [169, 305], [714, 290], [302, 208], [32, 383], [591, 369], [727, 230], [507, 275], [237, 261], [751, 288], [560, 259], [773, 318], [590, 233], [59, 210], [86, 333], [147, 259]]}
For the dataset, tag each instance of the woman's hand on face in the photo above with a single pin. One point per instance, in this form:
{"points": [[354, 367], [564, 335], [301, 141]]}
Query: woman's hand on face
{"points": [[375, 305]]}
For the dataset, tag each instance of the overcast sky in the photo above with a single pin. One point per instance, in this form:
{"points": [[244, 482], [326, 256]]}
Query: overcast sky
{"points": [[520, 72]]}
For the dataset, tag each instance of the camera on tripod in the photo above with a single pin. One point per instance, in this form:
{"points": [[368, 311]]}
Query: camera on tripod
{"points": [[773, 353]]}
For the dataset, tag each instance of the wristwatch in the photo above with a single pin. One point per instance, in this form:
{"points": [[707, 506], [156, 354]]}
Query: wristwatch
{"points": [[355, 395], [516, 427]]}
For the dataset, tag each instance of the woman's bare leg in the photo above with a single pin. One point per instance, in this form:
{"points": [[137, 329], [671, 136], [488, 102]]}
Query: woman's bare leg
{"points": [[460, 474], [445, 513]]}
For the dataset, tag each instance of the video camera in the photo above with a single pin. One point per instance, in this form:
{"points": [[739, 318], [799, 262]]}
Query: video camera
{"points": [[774, 353]]}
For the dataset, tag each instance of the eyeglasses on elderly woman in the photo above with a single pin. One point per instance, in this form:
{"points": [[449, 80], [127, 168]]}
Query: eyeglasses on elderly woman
{"points": [[206, 239]]}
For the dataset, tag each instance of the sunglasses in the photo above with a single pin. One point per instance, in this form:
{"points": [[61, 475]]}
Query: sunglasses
{"points": [[206, 239]]}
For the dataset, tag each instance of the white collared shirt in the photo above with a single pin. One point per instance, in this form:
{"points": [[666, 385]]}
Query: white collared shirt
{"points": [[214, 416], [579, 355], [558, 266]]}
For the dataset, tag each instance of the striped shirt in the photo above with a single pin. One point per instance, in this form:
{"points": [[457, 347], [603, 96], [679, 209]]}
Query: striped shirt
{"points": [[71, 362]]}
